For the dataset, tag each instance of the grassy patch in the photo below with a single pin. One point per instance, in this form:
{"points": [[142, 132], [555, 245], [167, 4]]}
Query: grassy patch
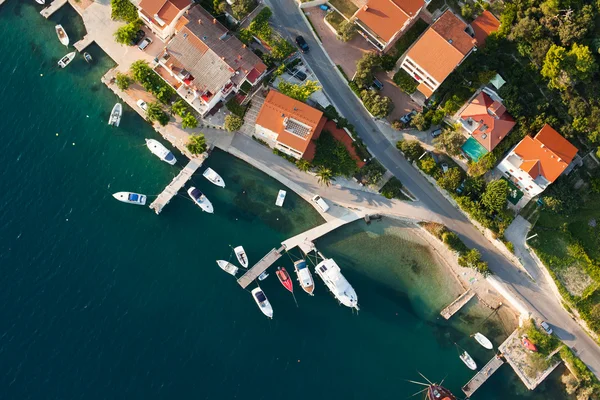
{"points": [[335, 19], [346, 7]]}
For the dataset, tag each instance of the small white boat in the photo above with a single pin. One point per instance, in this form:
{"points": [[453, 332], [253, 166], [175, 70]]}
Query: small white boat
{"points": [[213, 177], [62, 34], [482, 340], [331, 274], [161, 151], [131, 198], [201, 200], [87, 57], [263, 276], [280, 198], [469, 362], [240, 253], [42, 2], [66, 60], [227, 267], [263, 303], [304, 276], [115, 115]]}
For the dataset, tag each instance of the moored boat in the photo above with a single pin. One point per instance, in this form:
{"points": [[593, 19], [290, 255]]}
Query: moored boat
{"points": [[66, 60], [263, 303], [211, 175], [240, 253], [201, 200], [331, 274], [160, 151], [131, 198], [304, 276], [227, 267], [285, 279], [87, 57], [263, 276], [438, 392], [528, 344], [62, 34], [280, 198], [42, 2], [482, 340], [115, 115], [468, 360]]}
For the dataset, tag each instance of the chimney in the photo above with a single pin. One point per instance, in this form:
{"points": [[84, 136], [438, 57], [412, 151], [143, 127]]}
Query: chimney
{"points": [[170, 66], [239, 57], [214, 20], [243, 46], [366, 8], [199, 22], [542, 146]]}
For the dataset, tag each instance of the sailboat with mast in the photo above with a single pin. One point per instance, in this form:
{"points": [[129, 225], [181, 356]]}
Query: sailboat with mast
{"points": [[434, 391]]}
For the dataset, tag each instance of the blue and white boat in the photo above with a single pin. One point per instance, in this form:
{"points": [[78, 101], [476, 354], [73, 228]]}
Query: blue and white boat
{"points": [[201, 200], [160, 151], [131, 198]]}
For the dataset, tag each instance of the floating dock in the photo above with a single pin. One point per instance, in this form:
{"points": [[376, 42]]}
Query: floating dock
{"points": [[177, 183], [457, 304], [260, 267], [52, 8], [480, 377]]}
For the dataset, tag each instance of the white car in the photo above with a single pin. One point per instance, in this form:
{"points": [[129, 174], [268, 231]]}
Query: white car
{"points": [[321, 203], [546, 327], [142, 104]]}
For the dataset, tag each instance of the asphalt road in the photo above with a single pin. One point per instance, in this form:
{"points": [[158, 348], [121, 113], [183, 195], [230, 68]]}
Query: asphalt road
{"points": [[537, 296]]}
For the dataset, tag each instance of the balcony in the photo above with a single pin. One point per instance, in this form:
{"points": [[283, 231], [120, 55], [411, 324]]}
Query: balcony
{"points": [[193, 98]]}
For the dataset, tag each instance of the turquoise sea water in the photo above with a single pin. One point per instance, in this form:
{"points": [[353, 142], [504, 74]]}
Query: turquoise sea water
{"points": [[102, 300]]}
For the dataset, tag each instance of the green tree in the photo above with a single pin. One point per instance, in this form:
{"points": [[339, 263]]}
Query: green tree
{"points": [[495, 196], [123, 10], [281, 48], [299, 92], [220, 6], [196, 144], [472, 259], [412, 149], [378, 106], [325, 176], [126, 33], [428, 165], [303, 165], [346, 31], [483, 165], [180, 108], [233, 123], [563, 68], [241, 8], [365, 69], [450, 180], [189, 121], [154, 111], [450, 141], [420, 122], [123, 81]]}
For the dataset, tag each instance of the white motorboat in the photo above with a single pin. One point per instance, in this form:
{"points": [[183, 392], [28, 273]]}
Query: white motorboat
{"points": [[161, 151], [331, 274], [62, 34], [88, 57], [131, 198], [42, 2], [115, 115], [240, 253], [263, 303], [482, 340], [304, 276], [66, 60], [227, 267], [213, 177], [263, 276], [469, 362], [280, 198], [201, 200]]}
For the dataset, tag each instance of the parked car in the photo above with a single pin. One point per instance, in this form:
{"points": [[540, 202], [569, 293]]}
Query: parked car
{"points": [[377, 85], [546, 327], [436, 133], [139, 35], [142, 104], [406, 119], [302, 44], [298, 74], [444, 167], [145, 43], [321, 203]]}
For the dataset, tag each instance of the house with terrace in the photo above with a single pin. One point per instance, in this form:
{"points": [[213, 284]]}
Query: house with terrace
{"points": [[205, 63], [382, 22], [163, 17], [534, 163]]}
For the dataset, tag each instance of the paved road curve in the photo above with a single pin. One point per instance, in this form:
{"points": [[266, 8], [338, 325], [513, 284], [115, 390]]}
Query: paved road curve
{"points": [[535, 295]]}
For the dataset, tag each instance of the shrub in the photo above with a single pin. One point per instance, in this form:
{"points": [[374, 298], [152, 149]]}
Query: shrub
{"points": [[284, 155], [299, 92], [450, 180], [412, 149], [233, 122], [241, 8], [126, 33], [495, 196], [450, 141], [346, 31], [452, 240], [303, 165], [365, 69], [235, 107], [393, 189], [397, 125], [196, 144], [428, 165], [420, 122], [373, 172], [333, 155], [405, 82], [141, 72], [123, 10], [123, 81], [472, 259], [378, 106], [156, 113], [180, 108], [189, 121]]}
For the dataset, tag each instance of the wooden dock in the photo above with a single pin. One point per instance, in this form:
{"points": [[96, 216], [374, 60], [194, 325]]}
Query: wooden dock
{"points": [[457, 304], [83, 43], [177, 183], [52, 8], [483, 375], [260, 267]]}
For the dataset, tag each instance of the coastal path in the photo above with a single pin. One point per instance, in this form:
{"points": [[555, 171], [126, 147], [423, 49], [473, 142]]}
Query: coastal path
{"points": [[177, 183], [536, 296]]}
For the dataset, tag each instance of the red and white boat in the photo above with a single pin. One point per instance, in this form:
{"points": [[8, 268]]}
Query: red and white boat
{"points": [[285, 279], [528, 344]]}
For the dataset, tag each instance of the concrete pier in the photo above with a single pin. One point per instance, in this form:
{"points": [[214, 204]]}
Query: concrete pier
{"points": [[177, 183], [260, 267], [457, 304], [83, 43], [482, 376], [52, 8]]}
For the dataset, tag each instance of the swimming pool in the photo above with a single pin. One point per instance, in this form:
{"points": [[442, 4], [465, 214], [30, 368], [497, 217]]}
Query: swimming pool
{"points": [[473, 149]]}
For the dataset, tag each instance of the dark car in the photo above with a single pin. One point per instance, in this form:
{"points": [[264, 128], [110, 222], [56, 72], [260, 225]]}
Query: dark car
{"points": [[377, 85], [298, 74], [436, 133], [139, 35], [406, 119], [302, 44]]}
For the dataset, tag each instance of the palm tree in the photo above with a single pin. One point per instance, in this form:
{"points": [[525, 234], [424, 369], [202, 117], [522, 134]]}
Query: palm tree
{"points": [[325, 176], [303, 165]]}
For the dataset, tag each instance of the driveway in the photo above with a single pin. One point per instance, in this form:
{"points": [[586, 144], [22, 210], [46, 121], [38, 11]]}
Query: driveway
{"points": [[403, 104]]}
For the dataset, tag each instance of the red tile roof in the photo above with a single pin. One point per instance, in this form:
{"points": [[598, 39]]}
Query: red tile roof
{"points": [[494, 123], [166, 10], [483, 25], [386, 17]]}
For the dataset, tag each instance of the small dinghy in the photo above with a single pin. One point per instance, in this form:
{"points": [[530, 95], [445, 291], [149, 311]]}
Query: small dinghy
{"points": [[115, 115], [482, 340], [42, 2], [87, 57], [528, 344], [227, 267], [213, 177], [280, 198], [62, 34], [66, 60], [161, 151], [469, 362], [131, 198], [285, 279], [201, 200], [240, 253], [304, 277], [263, 276], [263, 303]]}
